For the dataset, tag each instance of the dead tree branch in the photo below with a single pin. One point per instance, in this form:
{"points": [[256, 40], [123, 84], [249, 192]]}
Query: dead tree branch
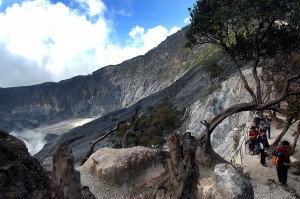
{"points": [[132, 125], [93, 143]]}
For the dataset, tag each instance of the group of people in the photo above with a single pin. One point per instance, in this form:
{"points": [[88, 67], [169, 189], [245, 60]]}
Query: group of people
{"points": [[257, 135], [258, 143]]}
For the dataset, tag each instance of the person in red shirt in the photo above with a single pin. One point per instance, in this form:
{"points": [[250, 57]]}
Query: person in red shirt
{"points": [[282, 168], [253, 133]]}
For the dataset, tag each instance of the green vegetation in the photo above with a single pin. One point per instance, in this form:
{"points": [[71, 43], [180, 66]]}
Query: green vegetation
{"points": [[152, 129], [214, 69], [202, 57]]}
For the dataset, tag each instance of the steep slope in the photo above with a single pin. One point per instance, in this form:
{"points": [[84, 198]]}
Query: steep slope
{"points": [[192, 87], [108, 89], [169, 71]]}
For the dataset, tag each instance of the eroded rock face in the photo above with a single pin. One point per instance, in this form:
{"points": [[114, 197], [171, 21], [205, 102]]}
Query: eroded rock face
{"points": [[21, 176], [117, 166], [226, 182], [113, 173]]}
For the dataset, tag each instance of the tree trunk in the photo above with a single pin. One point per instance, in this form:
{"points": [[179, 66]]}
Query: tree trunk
{"points": [[296, 139], [280, 136], [125, 137], [182, 169], [66, 180]]}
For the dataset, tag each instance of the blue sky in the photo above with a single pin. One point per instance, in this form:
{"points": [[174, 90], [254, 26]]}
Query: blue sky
{"points": [[44, 40]]}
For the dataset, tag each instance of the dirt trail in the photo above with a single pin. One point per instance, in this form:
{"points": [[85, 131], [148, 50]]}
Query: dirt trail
{"points": [[264, 179]]}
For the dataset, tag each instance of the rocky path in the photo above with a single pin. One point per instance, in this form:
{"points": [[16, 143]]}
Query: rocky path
{"points": [[264, 179]]}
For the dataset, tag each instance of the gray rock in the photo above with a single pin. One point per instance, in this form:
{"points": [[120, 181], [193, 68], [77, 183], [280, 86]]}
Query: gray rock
{"points": [[229, 183], [226, 183], [21, 176]]}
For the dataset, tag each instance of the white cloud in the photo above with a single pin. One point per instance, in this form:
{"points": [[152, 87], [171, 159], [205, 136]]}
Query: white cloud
{"points": [[17, 70], [187, 20], [93, 7], [140, 42], [124, 12], [51, 42], [136, 31]]}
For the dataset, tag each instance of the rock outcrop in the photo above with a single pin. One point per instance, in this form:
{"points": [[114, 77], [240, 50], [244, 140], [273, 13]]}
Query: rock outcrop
{"points": [[21, 176], [226, 182], [112, 173], [142, 173]]}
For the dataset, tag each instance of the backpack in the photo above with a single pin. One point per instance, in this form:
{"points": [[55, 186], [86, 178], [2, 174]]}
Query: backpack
{"points": [[278, 158]]}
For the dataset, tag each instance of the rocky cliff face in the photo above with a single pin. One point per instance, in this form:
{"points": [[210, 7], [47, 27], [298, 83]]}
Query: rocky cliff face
{"points": [[108, 89], [169, 71], [227, 94], [21, 176]]}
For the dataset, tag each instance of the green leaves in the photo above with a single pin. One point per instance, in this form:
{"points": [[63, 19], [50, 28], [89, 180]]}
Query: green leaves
{"points": [[151, 129], [245, 28]]}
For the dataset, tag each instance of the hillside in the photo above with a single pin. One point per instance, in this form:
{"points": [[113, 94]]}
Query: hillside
{"points": [[187, 90], [106, 90]]}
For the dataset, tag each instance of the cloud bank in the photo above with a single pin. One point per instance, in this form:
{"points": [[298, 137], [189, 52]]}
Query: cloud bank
{"points": [[41, 41]]}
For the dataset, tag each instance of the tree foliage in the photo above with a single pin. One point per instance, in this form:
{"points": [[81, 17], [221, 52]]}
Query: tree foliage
{"points": [[249, 31], [214, 69], [277, 71], [151, 129], [244, 28]]}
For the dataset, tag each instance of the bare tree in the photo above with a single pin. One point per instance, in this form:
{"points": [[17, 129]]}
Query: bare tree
{"points": [[94, 142], [117, 127]]}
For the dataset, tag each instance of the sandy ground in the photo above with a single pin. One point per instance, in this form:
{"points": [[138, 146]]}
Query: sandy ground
{"points": [[264, 179]]}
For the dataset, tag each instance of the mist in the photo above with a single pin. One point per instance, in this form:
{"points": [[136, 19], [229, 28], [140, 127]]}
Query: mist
{"points": [[33, 140]]}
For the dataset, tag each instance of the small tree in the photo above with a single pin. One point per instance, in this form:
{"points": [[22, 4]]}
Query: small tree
{"points": [[214, 69], [247, 31]]}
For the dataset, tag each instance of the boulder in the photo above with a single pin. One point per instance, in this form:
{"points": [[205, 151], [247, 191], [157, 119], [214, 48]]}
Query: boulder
{"points": [[117, 173], [117, 166], [226, 182]]}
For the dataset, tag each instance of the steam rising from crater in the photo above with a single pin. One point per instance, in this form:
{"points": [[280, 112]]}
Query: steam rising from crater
{"points": [[34, 140]]}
